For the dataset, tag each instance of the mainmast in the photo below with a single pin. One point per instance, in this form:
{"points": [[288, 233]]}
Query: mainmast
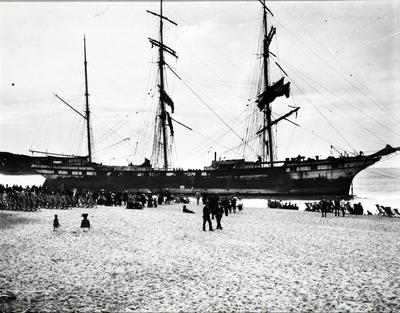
{"points": [[164, 117], [87, 105], [162, 104]]}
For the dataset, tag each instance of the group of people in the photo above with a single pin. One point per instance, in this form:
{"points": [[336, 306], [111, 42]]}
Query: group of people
{"points": [[85, 223], [139, 200], [35, 198], [215, 207], [18, 198], [337, 206], [273, 204]]}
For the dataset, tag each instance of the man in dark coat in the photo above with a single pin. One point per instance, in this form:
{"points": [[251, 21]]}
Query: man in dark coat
{"points": [[219, 212], [226, 205], [337, 207], [206, 217]]}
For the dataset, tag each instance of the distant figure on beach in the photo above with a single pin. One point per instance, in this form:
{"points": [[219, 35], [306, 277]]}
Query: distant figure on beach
{"points": [[206, 217], [358, 209], [185, 210], [219, 212], [324, 207], [85, 222], [149, 199], [197, 195], [56, 223], [213, 204], [337, 206], [226, 205], [240, 205], [342, 207], [233, 204]]}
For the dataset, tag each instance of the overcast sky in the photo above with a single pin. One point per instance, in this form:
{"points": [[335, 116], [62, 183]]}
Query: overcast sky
{"points": [[342, 58]]}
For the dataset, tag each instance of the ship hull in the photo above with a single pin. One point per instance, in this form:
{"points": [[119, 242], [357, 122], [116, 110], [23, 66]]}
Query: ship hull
{"points": [[329, 177], [17, 164]]}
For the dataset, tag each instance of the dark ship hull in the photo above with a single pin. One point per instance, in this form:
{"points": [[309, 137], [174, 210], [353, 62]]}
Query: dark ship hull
{"points": [[293, 178], [17, 164]]}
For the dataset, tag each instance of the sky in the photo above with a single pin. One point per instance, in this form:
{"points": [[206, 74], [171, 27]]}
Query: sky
{"points": [[341, 57]]}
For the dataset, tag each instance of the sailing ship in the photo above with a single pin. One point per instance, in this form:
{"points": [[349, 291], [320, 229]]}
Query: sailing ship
{"points": [[265, 176]]}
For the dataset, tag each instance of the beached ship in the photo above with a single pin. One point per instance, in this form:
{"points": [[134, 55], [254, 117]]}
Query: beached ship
{"points": [[265, 176]]}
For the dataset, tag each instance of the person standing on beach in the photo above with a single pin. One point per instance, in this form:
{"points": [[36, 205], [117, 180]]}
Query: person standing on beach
{"points": [[206, 217], [226, 205], [197, 195], [324, 207], [85, 222], [342, 206], [337, 207], [56, 223], [233, 204], [213, 204], [219, 212]]}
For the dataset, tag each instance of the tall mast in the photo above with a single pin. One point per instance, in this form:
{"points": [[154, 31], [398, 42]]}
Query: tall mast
{"points": [[267, 150], [164, 119], [162, 104], [87, 104]]}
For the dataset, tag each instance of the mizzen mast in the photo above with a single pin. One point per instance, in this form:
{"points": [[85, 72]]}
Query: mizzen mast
{"points": [[87, 105]]}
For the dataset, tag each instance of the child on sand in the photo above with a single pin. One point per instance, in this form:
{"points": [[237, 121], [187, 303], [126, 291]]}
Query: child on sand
{"points": [[56, 223], [85, 222]]}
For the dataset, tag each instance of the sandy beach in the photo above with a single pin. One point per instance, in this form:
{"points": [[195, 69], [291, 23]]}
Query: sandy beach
{"points": [[159, 259]]}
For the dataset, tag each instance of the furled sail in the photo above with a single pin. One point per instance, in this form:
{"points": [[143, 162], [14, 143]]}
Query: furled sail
{"points": [[167, 100], [171, 127], [277, 89]]}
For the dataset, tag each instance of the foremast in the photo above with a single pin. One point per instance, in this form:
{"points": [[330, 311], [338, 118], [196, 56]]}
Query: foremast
{"points": [[269, 93], [164, 118], [267, 145]]}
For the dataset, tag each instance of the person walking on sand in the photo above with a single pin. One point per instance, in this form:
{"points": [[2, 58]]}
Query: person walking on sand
{"points": [[56, 223], [85, 222], [324, 207], [206, 217]]}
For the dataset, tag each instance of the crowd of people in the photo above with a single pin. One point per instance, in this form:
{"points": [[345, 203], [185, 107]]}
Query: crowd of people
{"points": [[274, 204], [337, 206], [35, 198], [18, 198]]}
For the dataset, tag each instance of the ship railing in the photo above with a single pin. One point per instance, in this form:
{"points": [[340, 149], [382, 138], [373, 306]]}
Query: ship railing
{"points": [[132, 169]]}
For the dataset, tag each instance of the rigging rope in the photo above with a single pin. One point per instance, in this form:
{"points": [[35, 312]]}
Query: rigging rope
{"points": [[299, 73], [333, 68], [343, 67], [209, 107], [110, 146]]}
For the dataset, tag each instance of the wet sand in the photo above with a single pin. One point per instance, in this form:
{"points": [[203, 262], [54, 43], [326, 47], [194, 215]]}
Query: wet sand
{"points": [[159, 259]]}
